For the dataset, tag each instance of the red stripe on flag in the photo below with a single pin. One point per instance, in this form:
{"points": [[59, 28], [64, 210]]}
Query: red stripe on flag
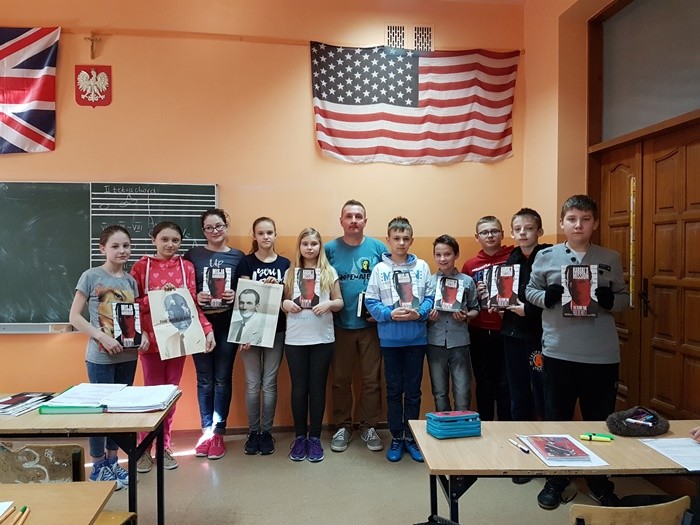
{"points": [[404, 119], [18, 90], [416, 153], [25, 41], [47, 142], [465, 101], [425, 135], [467, 84]]}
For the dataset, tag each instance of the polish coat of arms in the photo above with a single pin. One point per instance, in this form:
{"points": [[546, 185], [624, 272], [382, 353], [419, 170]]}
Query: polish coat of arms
{"points": [[93, 85]]}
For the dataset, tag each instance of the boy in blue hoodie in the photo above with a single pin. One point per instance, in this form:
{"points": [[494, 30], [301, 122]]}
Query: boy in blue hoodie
{"points": [[398, 283]]}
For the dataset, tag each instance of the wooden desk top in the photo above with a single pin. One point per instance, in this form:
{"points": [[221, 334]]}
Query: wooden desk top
{"points": [[492, 455], [76, 503], [107, 422]]}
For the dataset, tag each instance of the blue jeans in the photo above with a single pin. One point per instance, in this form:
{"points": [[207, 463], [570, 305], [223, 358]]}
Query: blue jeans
{"points": [[261, 368], [120, 373], [525, 382], [445, 364], [214, 376], [403, 370]]}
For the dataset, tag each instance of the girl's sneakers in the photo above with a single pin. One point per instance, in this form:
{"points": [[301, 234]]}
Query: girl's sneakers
{"points": [[314, 450], [300, 447], [102, 471], [217, 447]]}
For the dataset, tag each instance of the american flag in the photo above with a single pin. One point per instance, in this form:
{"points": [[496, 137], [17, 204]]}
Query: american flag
{"points": [[28, 89], [384, 104]]}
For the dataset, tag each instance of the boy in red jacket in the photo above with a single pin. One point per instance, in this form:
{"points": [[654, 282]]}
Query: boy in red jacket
{"points": [[487, 353]]}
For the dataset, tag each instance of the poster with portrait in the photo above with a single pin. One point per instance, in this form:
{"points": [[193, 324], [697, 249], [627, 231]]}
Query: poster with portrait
{"points": [[503, 291], [176, 323], [255, 313], [579, 282], [449, 294], [127, 324], [214, 282]]}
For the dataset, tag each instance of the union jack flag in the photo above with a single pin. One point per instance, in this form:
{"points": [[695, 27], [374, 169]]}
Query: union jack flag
{"points": [[28, 89]]}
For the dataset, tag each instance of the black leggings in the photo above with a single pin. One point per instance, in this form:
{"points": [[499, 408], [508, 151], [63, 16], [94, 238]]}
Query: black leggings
{"points": [[308, 369]]}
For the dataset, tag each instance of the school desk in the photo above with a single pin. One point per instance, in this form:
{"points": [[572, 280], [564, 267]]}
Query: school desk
{"points": [[457, 463], [76, 503], [123, 428]]}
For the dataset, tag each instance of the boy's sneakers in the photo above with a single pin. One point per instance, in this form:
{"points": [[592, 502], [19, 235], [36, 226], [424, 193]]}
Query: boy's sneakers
{"points": [[201, 449], [372, 439], [340, 440], [169, 462], [145, 463], [267, 443], [299, 449], [102, 471], [412, 448], [217, 447], [396, 449], [119, 471], [252, 445], [315, 450]]}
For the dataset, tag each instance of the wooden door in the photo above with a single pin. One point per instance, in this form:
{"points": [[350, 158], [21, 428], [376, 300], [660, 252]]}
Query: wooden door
{"points": [[670, 343], [620, 230]]}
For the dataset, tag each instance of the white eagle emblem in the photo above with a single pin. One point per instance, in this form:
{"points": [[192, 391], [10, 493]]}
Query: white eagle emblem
{"points": [[93, 85]]}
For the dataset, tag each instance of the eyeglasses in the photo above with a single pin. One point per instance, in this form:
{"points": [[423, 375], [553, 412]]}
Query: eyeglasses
{"points": [[211, 229], [490, 233]]}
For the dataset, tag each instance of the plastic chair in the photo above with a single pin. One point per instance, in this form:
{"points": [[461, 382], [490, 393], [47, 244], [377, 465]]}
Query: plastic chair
{"points": [[670, 513]]}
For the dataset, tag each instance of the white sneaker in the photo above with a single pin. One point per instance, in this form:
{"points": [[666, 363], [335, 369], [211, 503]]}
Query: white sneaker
{"points": [[340, 440], [372, 439]]}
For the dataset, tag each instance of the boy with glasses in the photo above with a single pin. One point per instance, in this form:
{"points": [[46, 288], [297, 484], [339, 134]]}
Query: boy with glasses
{"points": [[486, 348]]}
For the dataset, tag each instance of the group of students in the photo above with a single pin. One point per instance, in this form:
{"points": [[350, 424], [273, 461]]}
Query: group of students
{"points": [[528, 361]]}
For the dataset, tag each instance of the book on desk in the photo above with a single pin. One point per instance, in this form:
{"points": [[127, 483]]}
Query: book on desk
{"points": [[94, 398]]}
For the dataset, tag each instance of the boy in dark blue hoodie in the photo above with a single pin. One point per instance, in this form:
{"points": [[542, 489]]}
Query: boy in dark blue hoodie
{"points": [[398, 283]]}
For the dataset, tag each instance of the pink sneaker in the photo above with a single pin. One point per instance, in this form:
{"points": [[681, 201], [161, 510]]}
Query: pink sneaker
{"points": [[203, 446], [217, 447]]}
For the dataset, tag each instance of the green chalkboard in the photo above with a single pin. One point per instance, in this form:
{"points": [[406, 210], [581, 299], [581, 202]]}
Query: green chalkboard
{"points": [[50, 234]]}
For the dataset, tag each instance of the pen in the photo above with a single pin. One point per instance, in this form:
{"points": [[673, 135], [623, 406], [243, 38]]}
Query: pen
{"points": [[19, 516], [521, 447], [7, 513], [25, 515], [638, 422]]}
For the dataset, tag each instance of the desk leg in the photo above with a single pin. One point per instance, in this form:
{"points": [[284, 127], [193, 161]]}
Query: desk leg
{"points": [[433, 496], [454, 487], [127, 442], [160, 493]]}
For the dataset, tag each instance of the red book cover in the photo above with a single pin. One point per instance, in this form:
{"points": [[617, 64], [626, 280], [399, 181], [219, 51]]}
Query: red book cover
{"points": [[503, 289], [449, 294], [557, 447], [579, 282], [306, 287], [127, 324], [214, 282]]}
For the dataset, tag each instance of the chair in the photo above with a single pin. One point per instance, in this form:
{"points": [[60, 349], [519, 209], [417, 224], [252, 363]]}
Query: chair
{"points": [[41, 463], [670, 513]]}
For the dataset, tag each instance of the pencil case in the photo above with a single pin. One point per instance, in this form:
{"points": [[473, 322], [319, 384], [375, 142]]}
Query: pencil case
{"points": [[458, 423]]}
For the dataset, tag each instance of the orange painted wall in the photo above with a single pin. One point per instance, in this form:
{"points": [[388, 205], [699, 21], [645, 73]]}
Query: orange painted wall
{"points": [[218, 92]]}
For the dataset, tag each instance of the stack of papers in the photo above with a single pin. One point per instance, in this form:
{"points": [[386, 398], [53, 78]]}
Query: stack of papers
{"points": [[141, 398], [87, 398], [18, 404]]}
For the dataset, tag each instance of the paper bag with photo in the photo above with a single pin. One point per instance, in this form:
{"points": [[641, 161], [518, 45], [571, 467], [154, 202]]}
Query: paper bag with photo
{"points": [[255, 313], [176, 323]]}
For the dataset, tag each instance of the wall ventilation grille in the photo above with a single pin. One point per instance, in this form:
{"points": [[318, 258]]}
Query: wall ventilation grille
{"points": [[410, 37]]}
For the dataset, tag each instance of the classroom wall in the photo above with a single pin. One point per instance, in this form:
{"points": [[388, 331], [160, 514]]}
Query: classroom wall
{"points": [[218, 92]]}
